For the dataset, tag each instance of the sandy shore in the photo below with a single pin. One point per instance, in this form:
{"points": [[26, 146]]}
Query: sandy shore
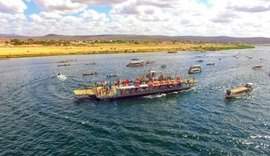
{"points": [[110, 48]]}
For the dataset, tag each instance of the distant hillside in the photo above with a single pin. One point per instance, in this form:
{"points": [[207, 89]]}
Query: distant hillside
{"points": [[221, 39], [9, 35]]}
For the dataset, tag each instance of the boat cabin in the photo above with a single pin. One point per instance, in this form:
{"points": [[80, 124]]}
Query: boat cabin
{"points": [[195, 69]]}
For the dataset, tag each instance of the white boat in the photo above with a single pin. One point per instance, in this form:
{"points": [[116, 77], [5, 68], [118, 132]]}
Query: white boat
{"points": [[195, 69], [136, 64], [61, 77], [210, 63]]}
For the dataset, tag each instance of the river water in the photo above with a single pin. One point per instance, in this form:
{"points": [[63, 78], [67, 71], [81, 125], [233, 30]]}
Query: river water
{"points": [[40, 116]]}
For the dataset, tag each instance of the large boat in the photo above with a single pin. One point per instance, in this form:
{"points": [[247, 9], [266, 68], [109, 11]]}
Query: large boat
{"points": [[149, 84], [195, 69], [238, 91], [136, 64]]}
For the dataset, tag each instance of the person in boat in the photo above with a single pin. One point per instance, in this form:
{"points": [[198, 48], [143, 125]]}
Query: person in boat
{"points": [[228, 92]]}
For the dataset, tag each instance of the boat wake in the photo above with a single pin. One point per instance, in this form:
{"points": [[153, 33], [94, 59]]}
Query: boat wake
{"points": [[155, 96]]}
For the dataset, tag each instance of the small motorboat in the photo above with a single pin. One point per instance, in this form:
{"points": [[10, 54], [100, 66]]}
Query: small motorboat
{"points": [[163, 66], [249, 57], [66, 61], [135, 59], [89, 74], [61, 77], [136, 64], [63, 65], [92, 63], [112, 75], [257, 67], [238, 91], [195, 69], [200, 61], [150, 62], [172, 52], [210, 63]]}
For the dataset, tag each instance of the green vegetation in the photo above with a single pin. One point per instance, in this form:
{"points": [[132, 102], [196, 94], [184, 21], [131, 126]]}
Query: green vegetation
{"points": [[15, 41], [236, 46]]}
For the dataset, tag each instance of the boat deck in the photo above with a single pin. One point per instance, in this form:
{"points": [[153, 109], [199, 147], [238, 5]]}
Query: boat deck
{"points": [[239, 89], [84, 92]]}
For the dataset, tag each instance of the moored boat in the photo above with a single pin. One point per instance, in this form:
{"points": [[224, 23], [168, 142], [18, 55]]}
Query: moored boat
{"points": [[257, 67], [195, 69], [61, 77], [172, 52], [63, 65], [91, 63], [89, 74], [163, 66], [150, 62], [135, 59], [66, 61], [238, 91], [112, 75], [136, 64], [210, 63]]}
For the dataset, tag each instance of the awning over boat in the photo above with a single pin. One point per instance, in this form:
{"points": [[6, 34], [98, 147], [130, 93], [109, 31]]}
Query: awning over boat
{"points": [[127, 87], [133, 86], [150, 84], [156, 83], [144, 85], [174, 82]]}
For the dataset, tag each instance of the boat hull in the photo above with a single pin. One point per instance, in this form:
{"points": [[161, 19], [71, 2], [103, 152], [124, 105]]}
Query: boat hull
{"points": [[182, 88], [238, 95], [195, 71]]}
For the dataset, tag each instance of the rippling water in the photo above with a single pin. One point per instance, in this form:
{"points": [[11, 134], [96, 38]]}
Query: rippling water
{"points": [[39, 115]]}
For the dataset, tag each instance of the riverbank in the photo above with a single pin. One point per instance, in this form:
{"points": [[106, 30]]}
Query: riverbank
{"points": [[18, 51]]}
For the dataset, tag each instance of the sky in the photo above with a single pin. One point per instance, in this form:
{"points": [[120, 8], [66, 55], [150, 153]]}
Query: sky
{"points": [[239, 18]]}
